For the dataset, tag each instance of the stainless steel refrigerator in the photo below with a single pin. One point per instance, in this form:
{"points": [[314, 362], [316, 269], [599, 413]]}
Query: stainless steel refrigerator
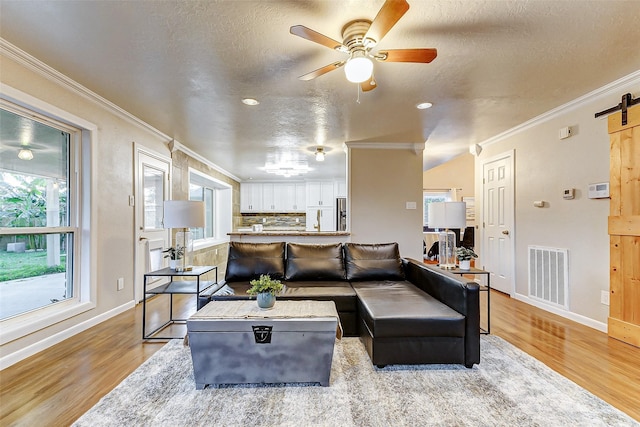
{"points": [[341, 214]]}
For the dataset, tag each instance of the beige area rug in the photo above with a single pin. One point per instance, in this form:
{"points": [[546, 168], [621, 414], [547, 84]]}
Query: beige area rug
{"points": [[508, 388]]}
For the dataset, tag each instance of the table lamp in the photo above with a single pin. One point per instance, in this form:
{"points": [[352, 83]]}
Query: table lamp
{"points": [[183, 214], [447, 215]]}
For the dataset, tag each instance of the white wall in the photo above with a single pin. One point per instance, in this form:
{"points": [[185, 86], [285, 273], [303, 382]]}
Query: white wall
{"points": [[381, 182], [544, 167]]}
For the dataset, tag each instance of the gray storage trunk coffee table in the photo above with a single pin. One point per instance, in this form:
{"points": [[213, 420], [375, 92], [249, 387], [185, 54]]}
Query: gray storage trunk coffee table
{"points": [[236, 342]]}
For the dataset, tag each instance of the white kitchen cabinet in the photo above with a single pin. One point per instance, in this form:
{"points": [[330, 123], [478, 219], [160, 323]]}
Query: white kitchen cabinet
{"points": [[283, 197], [251, 197], [320, 193], [327, 219], [299, 200], [301, 197], [269, 197], [273, 197]]}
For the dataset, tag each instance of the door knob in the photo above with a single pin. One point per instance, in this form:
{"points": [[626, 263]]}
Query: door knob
{"points": [[506, 232]]}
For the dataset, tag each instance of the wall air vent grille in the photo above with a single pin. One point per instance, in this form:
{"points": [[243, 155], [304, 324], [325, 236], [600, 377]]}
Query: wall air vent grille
{"points": [[549, 275]]}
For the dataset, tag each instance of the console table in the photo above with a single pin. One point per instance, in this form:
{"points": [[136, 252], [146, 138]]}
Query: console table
{"points": [[487, 289], [193, 287]]}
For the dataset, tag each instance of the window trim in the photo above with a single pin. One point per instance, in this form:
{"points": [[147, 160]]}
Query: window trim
{"points": [[82, 163], [223, 217]]}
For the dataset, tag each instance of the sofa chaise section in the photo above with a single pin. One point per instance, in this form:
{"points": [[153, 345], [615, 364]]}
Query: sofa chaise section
{"points": [[410, 315]]}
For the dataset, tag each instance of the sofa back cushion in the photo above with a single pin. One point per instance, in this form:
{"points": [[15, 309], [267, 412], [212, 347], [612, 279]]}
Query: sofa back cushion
{"points": [[314, 262], [373, 261], [247, 261]]}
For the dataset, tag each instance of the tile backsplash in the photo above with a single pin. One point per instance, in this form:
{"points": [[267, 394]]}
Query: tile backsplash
{"points": [[277, 221]]}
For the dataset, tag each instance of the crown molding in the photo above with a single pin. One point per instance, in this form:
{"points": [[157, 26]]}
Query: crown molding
{"points": [[177, 146], [617, 85], [416, 147]]}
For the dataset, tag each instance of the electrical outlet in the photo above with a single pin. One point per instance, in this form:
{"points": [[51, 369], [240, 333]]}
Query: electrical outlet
{"points": [[604, 297], [121, 283]]}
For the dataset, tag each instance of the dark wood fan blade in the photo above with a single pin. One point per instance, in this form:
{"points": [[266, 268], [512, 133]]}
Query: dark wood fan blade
{"points": [[320, 71], [390, 12], [407, 55], [369, 85], [314, 36]]}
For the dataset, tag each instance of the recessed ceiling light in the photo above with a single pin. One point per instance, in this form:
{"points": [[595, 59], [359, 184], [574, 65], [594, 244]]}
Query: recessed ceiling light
{"points": [[424, 105], [250, 101]]}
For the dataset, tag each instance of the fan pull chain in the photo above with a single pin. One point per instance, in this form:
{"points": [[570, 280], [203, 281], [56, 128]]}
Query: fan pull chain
{"points": [[359, 91]]}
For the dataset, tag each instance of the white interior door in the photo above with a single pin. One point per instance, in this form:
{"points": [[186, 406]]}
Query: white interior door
{"points": [[152, 189], [498, 221]]}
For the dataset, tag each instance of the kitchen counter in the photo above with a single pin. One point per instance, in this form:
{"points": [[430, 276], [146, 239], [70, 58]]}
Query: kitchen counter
{"points": [[290, 236]]}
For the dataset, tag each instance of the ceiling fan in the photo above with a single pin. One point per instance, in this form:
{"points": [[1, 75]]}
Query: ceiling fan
{"points": [[359, 37]]}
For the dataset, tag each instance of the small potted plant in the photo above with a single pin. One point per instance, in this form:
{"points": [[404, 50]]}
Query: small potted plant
{"points": [[174, 254], [464, 256], [265, 288]]}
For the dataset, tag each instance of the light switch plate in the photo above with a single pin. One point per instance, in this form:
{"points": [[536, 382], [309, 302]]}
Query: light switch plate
{"points": [[411, 205]]}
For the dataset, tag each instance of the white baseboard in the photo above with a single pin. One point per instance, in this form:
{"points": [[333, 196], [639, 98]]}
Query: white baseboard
{"points": [[37, 347], [602, 327]]}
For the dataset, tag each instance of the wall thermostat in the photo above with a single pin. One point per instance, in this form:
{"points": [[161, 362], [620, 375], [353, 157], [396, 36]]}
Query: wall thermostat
{"points": [[569, 193], [599, 190]]}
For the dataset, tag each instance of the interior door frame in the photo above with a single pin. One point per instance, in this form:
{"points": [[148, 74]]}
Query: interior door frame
{"points": [[509, 155], [137, 150]]}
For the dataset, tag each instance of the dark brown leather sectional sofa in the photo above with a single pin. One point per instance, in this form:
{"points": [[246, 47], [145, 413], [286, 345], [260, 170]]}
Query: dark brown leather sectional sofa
{"points": [[406, 312]]}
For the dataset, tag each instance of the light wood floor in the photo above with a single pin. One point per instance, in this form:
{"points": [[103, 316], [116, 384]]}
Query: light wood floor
{"points": [[56, 386]]}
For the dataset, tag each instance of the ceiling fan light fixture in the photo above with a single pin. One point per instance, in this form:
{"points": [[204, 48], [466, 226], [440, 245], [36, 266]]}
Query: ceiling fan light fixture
{"points": [[320, 154], [25, 154], [359, 67]]}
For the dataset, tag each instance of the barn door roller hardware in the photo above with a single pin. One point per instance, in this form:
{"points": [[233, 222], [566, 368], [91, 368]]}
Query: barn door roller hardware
{"points": [[627, 101]]}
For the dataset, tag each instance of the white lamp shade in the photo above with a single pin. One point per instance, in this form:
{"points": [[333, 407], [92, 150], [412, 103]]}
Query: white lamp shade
{"points": [[183, 214], [447, 215]]}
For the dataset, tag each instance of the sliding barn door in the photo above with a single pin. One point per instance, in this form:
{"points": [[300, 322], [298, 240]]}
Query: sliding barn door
{"points": [[624, 227]]}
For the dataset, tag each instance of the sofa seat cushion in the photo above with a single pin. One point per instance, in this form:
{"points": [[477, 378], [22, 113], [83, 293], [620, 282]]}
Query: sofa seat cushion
{"points": [[247, 261], [314, 262], [339, 292], [400, 309], [364, 262]]}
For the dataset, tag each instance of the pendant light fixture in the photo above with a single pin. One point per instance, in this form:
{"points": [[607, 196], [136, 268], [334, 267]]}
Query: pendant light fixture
{"points": [[320, 154]]}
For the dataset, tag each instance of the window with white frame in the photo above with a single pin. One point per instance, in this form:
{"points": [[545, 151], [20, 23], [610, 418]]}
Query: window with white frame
{"points": [[216, 196], [39, 233]]}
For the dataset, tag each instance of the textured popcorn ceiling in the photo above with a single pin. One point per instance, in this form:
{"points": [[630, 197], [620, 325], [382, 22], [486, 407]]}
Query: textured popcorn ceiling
{"points": [[183, 67]]}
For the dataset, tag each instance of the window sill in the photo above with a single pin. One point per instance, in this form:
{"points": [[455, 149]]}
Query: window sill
{"points": [[28, 323]]}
